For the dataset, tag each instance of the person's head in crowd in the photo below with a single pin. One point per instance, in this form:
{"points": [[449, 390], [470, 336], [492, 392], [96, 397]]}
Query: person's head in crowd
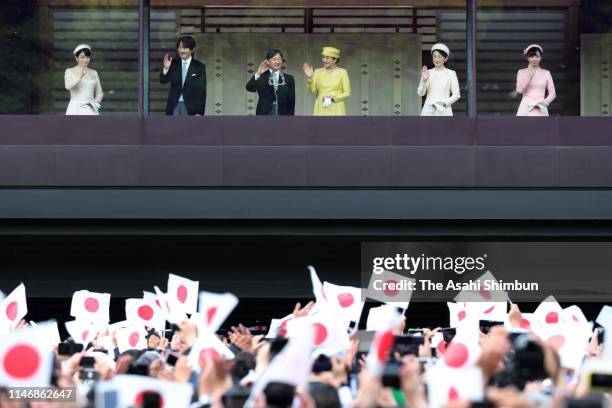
{"points": [[185, 46], [275, 59], [153, 339], [82, 55], [141, 364], [324, 395], [178, 343], [279, 395], [321, 364], [330, 57], [235, 397], [534, 53], [439, 55], [243, 363]]}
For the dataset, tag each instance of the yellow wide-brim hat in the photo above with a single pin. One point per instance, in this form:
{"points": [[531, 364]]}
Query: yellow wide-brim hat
{"points": [[331, 52]]}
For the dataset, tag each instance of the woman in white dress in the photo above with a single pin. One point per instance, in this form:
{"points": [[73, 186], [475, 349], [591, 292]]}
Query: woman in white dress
{"points": [[83, 84], [440, 84]]}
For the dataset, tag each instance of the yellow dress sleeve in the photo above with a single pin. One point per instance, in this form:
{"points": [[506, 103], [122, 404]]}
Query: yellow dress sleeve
{"points": [[346, 87], [312, 85]]}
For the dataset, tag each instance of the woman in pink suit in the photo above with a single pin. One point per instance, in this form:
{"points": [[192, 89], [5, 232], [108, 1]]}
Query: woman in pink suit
{"points": [[533, 82]]}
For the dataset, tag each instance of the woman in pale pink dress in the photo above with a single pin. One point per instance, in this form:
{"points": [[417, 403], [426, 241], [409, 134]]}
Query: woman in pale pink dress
{"points": [[533, 83]]}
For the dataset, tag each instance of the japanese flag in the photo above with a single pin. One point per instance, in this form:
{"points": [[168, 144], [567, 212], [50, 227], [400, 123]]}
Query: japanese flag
{"points": [[571, 345], [182, 293], [131, 338], [50, 326], [575, 318], [26, 360], [83, 332], [14, 307], [90, 306], [456, 313], [131, 390], [548, 312], [113, 328], [527, 322], [214, 309], [278, 327], [143, 312], [604, 319], [464, 349], [291, 366], [317, 286], [484, 294], [391, 288], [378, 317], [383, 341], [329, 328], [446, 385], [208, 346], [492, 311], [173, 313], [346, 299]]}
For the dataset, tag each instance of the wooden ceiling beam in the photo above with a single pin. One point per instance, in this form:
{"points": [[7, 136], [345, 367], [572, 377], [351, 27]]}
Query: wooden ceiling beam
{"points": [[310, 3]]}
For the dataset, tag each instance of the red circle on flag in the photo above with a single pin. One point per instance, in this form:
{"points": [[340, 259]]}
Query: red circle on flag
{"points": [[210, 314], [208, 353], [139, 399], [387, 290], [461, 315], [489, 310], [456, 355], [552, 317], [282, 328], [384, 345], [133, 339], [181, 293], [21, 361], [441, 347], [11, 310], [525, 324], [453, 394], [346, 299], [320, 333], [556, 342], [91, 305], [485, 294], [145, 312]]}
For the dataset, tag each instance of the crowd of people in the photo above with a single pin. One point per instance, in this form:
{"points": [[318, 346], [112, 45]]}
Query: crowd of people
{"points": [[329, 84], [313, 357]]}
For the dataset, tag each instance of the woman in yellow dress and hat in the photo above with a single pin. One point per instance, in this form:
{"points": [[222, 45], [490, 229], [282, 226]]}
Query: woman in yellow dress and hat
{"points": [[330, 84]]}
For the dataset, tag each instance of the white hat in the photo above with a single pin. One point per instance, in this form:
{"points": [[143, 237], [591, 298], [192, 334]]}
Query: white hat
{"points": [[440, 47], [80, 47]]}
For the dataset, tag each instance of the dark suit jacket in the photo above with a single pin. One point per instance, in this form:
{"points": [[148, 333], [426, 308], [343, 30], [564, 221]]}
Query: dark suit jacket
{"points": [[194, 90], [286, 95]]}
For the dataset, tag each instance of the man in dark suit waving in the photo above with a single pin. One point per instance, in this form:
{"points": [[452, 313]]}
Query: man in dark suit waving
{"points": [[276, 90], [187, 77]]}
